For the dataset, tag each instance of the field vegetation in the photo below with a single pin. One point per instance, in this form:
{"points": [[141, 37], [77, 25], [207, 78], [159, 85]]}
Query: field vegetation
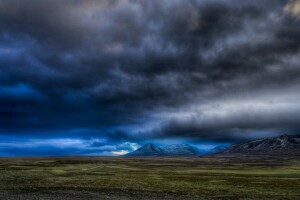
{"points": [[182, 178]]}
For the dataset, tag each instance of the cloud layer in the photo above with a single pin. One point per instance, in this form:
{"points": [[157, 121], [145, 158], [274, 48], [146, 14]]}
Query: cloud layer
{"points": [[132, 70]]}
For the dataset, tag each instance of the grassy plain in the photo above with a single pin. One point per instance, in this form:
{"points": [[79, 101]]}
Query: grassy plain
{"points": [[218, 177]]}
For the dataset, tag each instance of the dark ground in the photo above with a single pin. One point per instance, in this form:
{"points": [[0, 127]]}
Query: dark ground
{"points": [[215, 177]]}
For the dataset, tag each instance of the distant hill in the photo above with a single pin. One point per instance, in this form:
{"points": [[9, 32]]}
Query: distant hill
{"points": [[181, 150], [170, 150], [285, 144], [147, 150], [218, 149], [282, 145]]}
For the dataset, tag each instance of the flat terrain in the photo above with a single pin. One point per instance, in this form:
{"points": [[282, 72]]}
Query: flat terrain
{"points": [[218, 177]]}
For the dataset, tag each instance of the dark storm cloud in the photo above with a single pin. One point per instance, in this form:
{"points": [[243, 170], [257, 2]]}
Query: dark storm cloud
{"points": [[135, 70]]}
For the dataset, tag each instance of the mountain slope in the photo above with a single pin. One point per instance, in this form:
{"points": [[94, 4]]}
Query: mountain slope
{"points": [[285, 144], [147, 150], [170, 150], [180, 150], [218, 149]]}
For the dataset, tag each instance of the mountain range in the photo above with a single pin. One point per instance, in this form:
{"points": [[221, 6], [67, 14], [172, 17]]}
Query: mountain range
{"points": [[218, 149], [147, 150], [170, 150], [282, 145]]}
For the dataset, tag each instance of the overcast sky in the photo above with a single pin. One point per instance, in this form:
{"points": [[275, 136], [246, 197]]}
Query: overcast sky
{"points": [[101, 77]]}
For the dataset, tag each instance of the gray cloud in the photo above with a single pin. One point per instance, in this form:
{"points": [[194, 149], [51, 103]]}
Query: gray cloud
{"points": [[137, 70]]}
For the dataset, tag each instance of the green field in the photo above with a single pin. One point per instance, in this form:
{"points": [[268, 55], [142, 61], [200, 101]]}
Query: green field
{"points": [[227, 177]]}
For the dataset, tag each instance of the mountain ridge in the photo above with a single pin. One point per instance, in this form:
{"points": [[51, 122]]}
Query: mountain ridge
{"points": [[169, 150], [218, 149], [284, 144], [280, 145], [181, 150], [147, 150]]}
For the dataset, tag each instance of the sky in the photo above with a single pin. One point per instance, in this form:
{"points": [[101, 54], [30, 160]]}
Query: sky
{"points": [[103, 77]]}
